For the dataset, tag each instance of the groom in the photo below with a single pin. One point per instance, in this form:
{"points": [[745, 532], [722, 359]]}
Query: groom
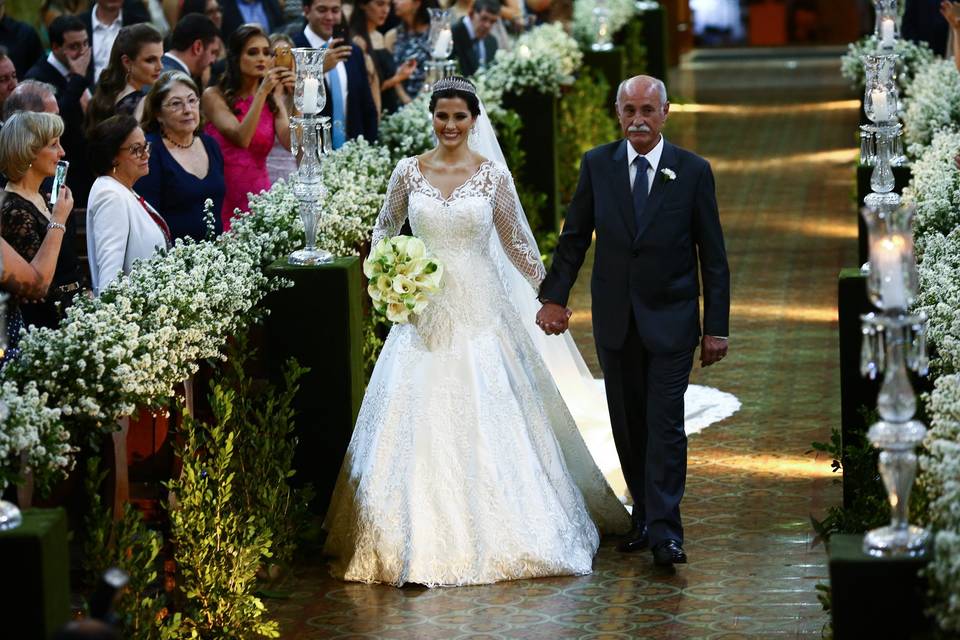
{"points": [[653, 209]]}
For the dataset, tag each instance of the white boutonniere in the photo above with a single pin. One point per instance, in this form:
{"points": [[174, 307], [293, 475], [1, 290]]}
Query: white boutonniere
{"points": [[668, 174]]}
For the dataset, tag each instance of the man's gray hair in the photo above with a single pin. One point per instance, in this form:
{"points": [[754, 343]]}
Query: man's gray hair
{"points": [[658, 83], [28, 96]]}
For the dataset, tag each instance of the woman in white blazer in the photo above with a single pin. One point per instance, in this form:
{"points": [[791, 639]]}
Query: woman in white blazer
{"points": [[121, 226]]}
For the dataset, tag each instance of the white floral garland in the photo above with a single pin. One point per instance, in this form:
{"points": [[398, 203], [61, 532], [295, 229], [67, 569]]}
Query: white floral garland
{"points": [[620, 12], [932, 103], [913, 56], [544, 59]]}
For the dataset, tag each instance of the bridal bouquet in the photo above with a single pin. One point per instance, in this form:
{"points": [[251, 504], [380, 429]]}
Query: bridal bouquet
{"points": [[402, 276]]}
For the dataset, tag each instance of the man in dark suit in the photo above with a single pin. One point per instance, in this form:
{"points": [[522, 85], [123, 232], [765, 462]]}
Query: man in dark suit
{"points": [[473, 46], [67, 69], [350, 103], [653, 209], [193, 46], [922, 22], [266, 13], [103, 22], [21, 40]]}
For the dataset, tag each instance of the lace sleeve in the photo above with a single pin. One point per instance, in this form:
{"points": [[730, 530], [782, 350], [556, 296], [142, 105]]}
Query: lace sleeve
{"points": [[21, 227], [394, 210], [521, 249]]}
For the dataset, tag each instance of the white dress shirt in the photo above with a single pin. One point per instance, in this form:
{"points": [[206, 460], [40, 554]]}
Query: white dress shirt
{"points": [[338, 73], [653, 158], [119, 231], [56, 64], [103, 38]]}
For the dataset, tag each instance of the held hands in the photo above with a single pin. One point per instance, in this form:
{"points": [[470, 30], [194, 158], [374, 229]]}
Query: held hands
{"points": [[712, 350], [271, 80], [286, 83], [951, 11], [405, 70], [338, 50], [553, 318]]}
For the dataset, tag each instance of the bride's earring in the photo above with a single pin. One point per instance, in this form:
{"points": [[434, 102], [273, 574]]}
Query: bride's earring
{"points": [[473, 137]]}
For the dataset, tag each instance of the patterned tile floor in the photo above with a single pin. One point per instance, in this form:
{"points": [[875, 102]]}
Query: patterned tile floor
{"points": [[783, 161]]}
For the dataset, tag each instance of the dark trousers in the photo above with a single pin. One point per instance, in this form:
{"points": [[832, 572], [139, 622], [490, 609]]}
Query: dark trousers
{"points": [[645, 395]]}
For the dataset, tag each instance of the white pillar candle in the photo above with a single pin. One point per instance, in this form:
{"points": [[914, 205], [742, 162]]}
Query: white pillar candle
{"points": [[311, 90], [887, 27], [441, 49], [887, 259], [881, 106]]}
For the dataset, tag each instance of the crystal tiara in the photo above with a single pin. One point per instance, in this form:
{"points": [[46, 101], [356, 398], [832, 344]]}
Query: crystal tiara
{"points": [[454, 82]]}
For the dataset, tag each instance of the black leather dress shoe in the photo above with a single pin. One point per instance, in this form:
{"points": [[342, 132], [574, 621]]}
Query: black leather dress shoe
{"points": [[668, 553], [636, 540]]}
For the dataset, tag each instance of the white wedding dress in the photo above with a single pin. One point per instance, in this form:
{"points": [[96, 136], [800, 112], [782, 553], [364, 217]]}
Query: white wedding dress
{"points": [[465, 465]]}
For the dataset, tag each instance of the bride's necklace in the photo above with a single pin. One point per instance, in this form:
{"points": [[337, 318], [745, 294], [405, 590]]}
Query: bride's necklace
{"points": [[177, 144]]}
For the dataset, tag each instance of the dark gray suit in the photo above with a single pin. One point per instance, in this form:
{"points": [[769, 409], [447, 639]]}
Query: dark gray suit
{"points": [[646, 321]]}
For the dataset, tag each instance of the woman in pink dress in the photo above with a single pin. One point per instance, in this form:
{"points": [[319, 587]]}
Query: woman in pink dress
{"points": [[245, 114]]}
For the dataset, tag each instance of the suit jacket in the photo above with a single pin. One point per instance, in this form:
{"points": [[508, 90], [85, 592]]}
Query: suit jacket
{"points": [[133, 12], [361, 110], [652, 272], [232, 18], [69, 91], [922, 22], [170, 64], [464, 52]]}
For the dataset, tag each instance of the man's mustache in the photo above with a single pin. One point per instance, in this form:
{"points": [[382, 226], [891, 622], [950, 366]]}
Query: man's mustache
{"points": [[638, 129]]}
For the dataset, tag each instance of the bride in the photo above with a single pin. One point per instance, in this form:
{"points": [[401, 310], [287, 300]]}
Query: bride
{"points": [[466, 466]]}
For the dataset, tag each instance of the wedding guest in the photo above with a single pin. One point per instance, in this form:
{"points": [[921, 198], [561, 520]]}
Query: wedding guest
{"points": [[122, 227], [511, 19], [29, 152], [410, 40], [280, 162], [245, 113], [193, 46], [473, 45], [103, 22], [66, 68], [365, 22], [21, 41], [266, 13], [8, 76], [186, 165], [32, 95], [350, 104], [134, 64], [209, 8]]}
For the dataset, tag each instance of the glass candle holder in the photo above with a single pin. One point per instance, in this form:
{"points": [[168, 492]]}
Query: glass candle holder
{"points": [[881, 97], [602, 40], [441, 37], [892, 282], [309, 94], [887, 26]]}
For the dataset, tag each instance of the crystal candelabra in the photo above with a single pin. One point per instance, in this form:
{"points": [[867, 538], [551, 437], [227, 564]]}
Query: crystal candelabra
{"points": [[440, 40], [310, 140], [602, 40], [887, 26]]}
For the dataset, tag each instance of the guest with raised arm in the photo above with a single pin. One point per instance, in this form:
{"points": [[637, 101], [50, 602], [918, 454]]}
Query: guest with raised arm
{"points": [[186, 164], [122, 227], [245, 113], [365, 21]]}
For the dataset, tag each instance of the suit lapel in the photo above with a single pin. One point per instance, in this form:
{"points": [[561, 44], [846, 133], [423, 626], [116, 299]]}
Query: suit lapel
{"points": [[668, 160], [620, 175]]}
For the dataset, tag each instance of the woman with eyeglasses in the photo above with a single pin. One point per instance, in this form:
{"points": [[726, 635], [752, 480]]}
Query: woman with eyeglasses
{"points": [[246, 113], [135, 64], [122, 227], [186, 165]]}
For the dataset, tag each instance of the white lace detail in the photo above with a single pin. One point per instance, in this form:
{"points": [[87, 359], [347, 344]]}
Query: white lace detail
{"points": [[465, 466]]}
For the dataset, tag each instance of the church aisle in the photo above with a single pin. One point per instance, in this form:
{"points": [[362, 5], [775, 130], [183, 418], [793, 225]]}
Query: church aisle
{"points": [[783, 161]]}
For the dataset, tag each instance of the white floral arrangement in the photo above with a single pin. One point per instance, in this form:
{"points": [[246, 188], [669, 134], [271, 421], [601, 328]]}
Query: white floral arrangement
{"points": [[940, 468], [543, 59], [408, 132], [401, 275], [939, 297], [935, 187], [913, 56], [933, 104], [32, 437], [620, 12]]}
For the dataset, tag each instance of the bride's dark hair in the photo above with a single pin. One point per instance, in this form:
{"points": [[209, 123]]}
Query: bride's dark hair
{"points": [[470, 97]]}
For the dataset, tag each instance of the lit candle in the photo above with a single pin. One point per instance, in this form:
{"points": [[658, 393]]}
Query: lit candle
{"points": [[442, 47], [311, 91], [881, 106], [886, 32], [525, 51], [887, 258]]}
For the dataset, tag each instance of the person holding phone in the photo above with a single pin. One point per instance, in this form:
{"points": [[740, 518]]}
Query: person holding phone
{"points": [[350, 104], [410, 40], [365, 21], [245, 112], [29, 153]]}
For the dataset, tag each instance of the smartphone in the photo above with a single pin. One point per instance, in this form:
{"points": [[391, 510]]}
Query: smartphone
{"points": [[283, 57], [59, 179], [340, 32]]}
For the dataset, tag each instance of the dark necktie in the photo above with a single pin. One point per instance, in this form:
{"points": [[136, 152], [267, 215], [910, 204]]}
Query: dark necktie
{"points": [[640, 189]]}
